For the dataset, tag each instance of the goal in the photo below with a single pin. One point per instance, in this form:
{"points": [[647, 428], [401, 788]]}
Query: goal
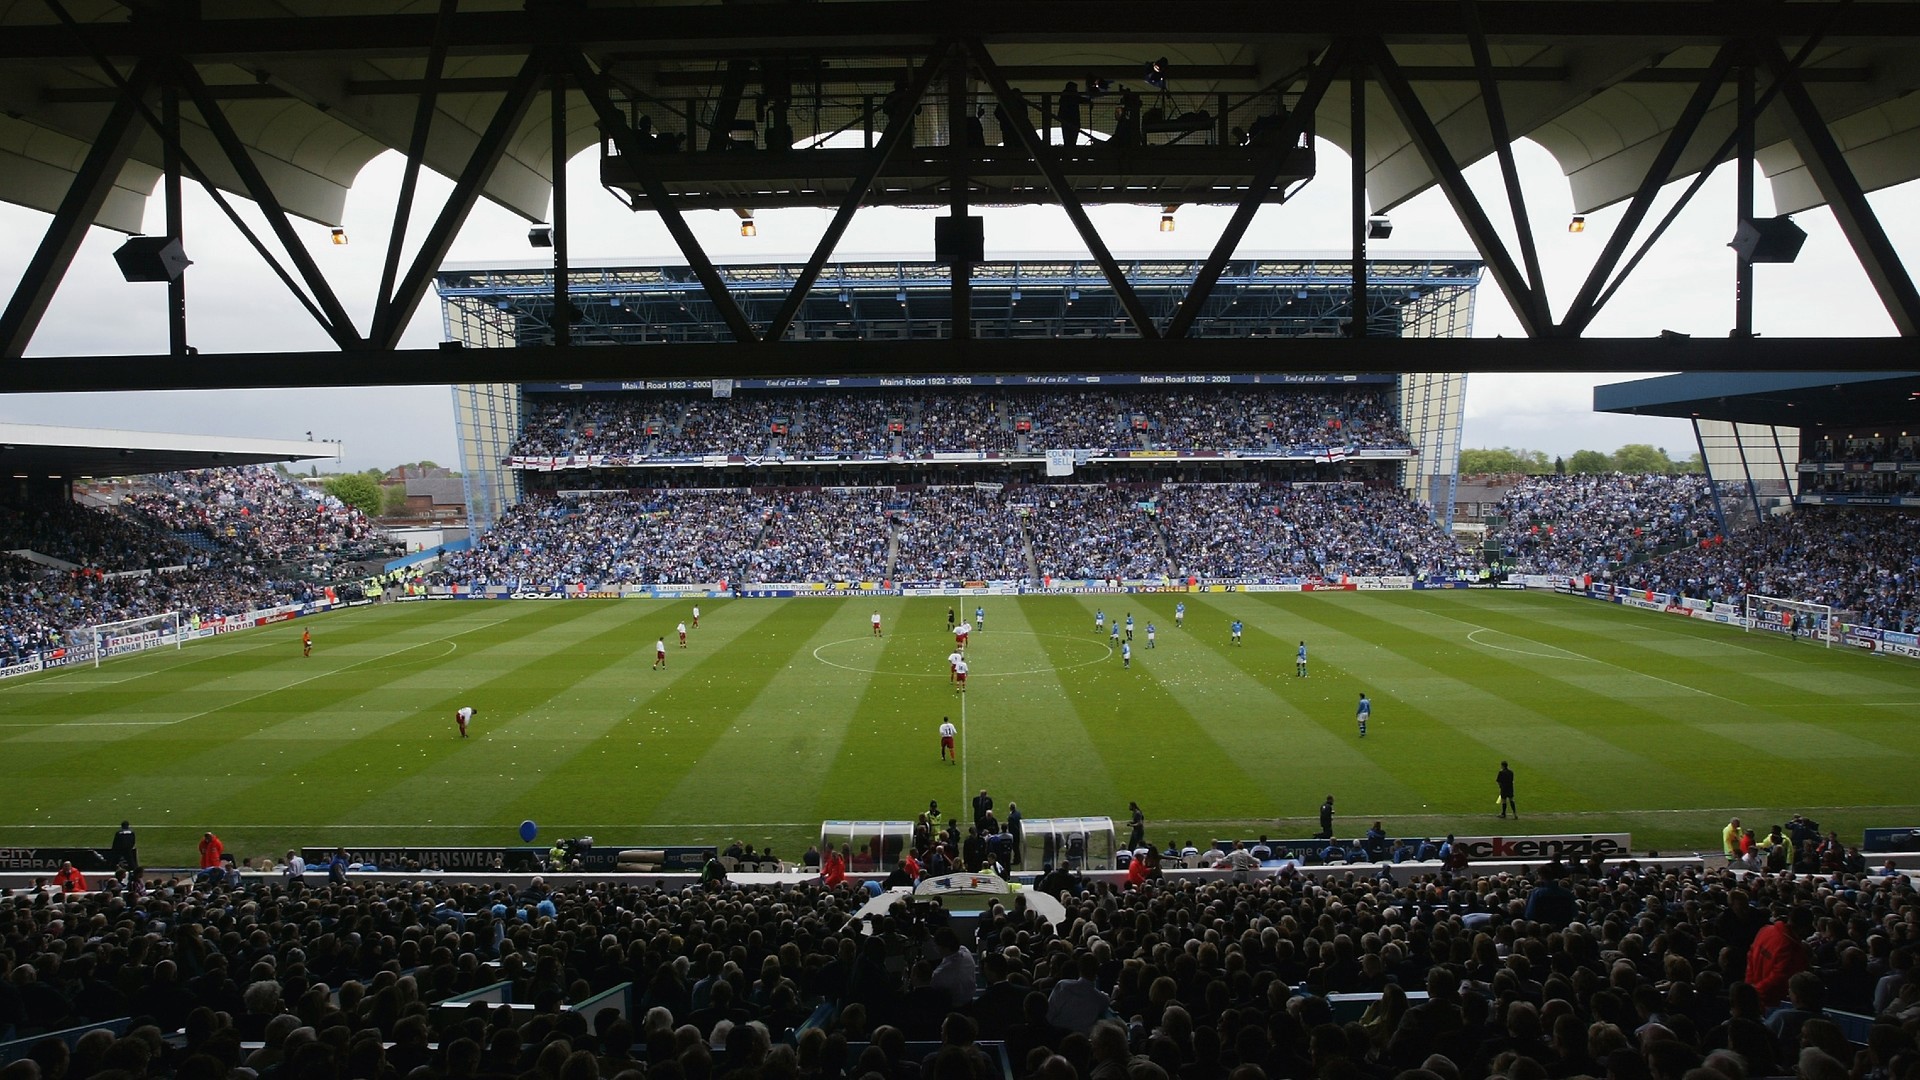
{"points": [[110, 639], [1795, 618]]}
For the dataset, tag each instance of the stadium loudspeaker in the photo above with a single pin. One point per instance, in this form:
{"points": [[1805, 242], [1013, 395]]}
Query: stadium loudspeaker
{"points": [[959, 239], [1768, 240], [152, 258]]}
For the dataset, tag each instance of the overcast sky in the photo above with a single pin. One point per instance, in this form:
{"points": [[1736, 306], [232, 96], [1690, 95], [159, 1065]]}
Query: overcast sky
{"points": [[235, 303]]}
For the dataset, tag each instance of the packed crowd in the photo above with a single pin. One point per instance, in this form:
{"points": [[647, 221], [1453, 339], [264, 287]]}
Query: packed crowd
{"points": [[122, 567], [822, 537], [1324, 530], [695, 535], [1585, 523], [1094, 532], [960, 532], [88, 537], [880, 423], [1634, 974], [259, 516], [1867, 564]]}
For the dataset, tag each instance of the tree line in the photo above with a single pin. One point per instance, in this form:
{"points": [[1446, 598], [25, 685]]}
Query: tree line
{"points": [[1631, 458], [368, 491]]}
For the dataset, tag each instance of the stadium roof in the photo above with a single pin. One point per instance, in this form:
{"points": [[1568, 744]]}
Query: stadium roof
{"points": [[853, 103], [317, 88], [1846, 400], [69, 453], [1294, 295]]}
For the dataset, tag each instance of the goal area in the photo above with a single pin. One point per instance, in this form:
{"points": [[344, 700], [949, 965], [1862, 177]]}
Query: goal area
{"points": [[1794, 618], [110, 639]]}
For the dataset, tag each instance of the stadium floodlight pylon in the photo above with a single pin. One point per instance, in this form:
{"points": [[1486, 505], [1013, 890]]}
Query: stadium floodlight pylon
{"points": [[132, 635], [1796, 618]]}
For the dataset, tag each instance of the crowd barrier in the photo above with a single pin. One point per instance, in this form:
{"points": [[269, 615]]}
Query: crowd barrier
{"points": [[1726, 613]]}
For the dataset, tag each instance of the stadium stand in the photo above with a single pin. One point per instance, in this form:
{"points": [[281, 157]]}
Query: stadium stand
{"points": [[880, 423], [1638, 972], [1323, 530], [1586, 524], [206, 543], [1863, 562], [959, 532], [259, 515]]}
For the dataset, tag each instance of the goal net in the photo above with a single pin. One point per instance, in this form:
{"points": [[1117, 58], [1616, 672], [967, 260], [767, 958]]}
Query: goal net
{"points": [[1794, 618], [111, 639]]}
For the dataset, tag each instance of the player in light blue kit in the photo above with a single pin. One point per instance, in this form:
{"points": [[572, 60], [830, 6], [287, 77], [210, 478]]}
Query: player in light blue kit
{"points": [[1366, 710], [1179, 614], [1115, 637], [1149, 635], [1300, 661], [1099, 621], [1126, 655], [1236, 631], [979, 618], [1129, 626]]}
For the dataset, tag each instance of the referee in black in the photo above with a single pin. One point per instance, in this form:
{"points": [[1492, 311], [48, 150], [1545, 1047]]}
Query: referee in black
{"points": [[1505, 779]]}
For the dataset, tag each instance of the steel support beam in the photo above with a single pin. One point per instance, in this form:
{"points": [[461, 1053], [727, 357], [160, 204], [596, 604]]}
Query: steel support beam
{"points": [[373, 367], [395, 311], [1589, 300], [1432, 147], [727, 108], [1744, 116], [175, 210], [1828, 166], [1357, 197], [1503, 149], [1318, 80], [1015, 110], [1713, 486], [338, 324], [903, 25], [659, 200], [557, 151], [429, 95], [890, 139], [959, 157], [92, 182], [1018, 74]]}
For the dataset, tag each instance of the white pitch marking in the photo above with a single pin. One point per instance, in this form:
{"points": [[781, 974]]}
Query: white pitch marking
{"points": [[274, 690], [980, 675], [1561, 654], [1571, 655]]}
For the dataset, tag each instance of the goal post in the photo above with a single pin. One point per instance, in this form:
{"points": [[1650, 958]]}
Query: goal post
{"points": [[111, 639], [1794, 618]]}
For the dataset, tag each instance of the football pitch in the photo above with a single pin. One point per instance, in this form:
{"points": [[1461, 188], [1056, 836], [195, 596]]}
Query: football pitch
{"points": [[782, 713]]}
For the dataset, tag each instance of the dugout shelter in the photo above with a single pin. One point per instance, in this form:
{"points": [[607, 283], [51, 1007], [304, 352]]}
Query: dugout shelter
{"points": [[1078, 843], [871, 846]]}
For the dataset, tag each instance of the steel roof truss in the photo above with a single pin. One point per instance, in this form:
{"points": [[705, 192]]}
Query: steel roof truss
{"points": [[890, 139], [394, 312], [1427, 140], [81, 204], [1015, 109], [1318, 80], [614, 124], [1829, 169]]}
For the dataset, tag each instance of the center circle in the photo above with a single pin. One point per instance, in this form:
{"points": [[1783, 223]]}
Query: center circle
{"points": [[841, 655]]}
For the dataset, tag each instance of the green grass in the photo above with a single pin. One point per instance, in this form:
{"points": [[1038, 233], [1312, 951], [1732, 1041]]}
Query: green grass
{"points": [[784, 713]]}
